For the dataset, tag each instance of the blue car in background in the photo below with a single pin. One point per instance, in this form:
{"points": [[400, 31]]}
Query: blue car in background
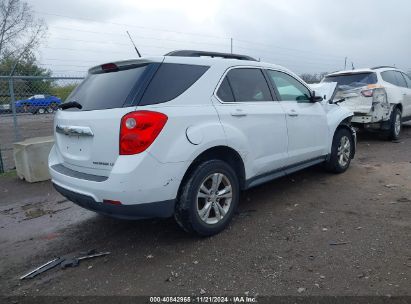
{"points": [[38, 104]]}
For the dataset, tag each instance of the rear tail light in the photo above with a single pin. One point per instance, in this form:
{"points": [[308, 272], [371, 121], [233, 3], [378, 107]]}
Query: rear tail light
{"points": [[139, 129], [367, 93], [379, 96]]}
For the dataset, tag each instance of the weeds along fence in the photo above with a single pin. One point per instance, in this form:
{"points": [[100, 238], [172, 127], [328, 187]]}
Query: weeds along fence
{"points": [[27, 105]]}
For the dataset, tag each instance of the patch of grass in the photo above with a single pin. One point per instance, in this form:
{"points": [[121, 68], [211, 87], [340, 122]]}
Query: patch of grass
{"points": [[11, 173]]}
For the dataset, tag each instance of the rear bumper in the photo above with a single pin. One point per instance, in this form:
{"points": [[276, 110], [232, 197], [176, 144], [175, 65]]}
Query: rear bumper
{"points": [[145, 187], [155, 209], [367, 122]]}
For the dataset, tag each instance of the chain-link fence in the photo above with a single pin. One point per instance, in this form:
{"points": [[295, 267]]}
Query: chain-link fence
{"points": [[27, 104]]}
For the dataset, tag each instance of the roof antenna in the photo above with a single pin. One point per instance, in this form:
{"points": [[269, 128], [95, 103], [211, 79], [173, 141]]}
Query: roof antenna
{"points": [[138, 53]]}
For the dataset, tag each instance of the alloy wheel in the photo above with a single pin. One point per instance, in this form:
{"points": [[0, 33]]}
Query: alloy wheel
{"points": [[344, 151], [214, 198]]}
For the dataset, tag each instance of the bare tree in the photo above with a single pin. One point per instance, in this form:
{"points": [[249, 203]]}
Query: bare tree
{"points": [[313, 78], [20, 31]]}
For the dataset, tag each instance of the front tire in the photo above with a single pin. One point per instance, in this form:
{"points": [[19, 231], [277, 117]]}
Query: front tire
{"points": [[208, 199], [341, 151]]}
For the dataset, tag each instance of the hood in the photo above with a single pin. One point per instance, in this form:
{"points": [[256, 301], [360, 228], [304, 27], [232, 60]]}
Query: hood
{"points": [[326, 90]]}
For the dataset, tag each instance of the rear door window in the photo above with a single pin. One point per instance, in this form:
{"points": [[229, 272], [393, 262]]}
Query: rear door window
{"points": [[224, 92], [389, 76], [107, 90], [400, 79], [408, 80], [170, 81], [248, 84]]}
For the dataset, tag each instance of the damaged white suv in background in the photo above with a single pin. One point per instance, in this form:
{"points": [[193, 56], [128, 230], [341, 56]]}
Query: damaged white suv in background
{"points": [[380, 97]]}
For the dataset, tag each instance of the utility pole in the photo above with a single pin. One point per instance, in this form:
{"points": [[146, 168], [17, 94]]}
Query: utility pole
{"points": [[345, 63], [231, 42]]}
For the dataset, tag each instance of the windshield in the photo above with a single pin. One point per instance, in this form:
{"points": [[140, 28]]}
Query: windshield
{"points": [[352, 80]]}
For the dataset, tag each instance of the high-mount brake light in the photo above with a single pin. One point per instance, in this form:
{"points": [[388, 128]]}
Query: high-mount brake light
{"points": [[139, 129], [109, 67], [111, 202]]}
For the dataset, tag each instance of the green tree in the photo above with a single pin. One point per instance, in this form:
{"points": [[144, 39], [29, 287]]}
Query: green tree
{"points": [[64, 91], [24, 88]]}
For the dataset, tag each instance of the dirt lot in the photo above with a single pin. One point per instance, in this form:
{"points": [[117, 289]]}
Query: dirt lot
{"points": [[279, 243]]}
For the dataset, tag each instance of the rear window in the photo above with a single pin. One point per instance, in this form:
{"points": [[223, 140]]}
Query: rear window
{"points": [[352, 80], [107, 90], [136, 86], [170, 81]]}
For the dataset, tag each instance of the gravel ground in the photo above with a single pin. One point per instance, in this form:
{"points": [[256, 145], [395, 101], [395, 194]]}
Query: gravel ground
{"points": [[311, 233]]}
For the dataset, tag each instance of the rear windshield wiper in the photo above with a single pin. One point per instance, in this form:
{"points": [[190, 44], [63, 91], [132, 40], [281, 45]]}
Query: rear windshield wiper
{"points": [[71, 104]]}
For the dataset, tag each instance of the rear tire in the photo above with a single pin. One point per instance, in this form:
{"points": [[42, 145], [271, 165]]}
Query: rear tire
{"points": [[395, 124], [41, 111], [341, 151], [208, 198]]}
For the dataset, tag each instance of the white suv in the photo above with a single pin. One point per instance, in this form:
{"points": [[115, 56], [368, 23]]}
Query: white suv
{"points": [[380, 97], [183, 134]]}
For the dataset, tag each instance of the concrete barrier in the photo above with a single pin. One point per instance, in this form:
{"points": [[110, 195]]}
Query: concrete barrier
{"points": [[31, 158]]}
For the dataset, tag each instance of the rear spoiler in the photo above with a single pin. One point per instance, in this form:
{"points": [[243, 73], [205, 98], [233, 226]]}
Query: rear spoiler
{"points": [[122, 65]]}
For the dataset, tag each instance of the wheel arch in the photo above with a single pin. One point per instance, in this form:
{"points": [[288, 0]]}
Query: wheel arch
{"points": [[397, 105], [224, 153], [346, 124]]}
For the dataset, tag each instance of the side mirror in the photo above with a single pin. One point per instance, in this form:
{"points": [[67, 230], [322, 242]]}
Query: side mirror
{"points": [[315, 98]]}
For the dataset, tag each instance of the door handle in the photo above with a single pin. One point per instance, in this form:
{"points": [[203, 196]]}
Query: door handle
{"points": [[292, 113], [238, 113]]}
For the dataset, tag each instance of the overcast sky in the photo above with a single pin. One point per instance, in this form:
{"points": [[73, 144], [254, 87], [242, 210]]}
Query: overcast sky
{"points": [[304, 36]]}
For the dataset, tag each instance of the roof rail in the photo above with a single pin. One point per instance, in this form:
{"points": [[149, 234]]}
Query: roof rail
{"points": [[192, 53], [383, 66]]}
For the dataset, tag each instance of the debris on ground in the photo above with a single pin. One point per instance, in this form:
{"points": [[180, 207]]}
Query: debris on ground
{"points": [[202, 291], [76, 261], [301, 289], [392, 185], [339, 243], [63, 262], [173, 276], [404, 200], [43, 268]]}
